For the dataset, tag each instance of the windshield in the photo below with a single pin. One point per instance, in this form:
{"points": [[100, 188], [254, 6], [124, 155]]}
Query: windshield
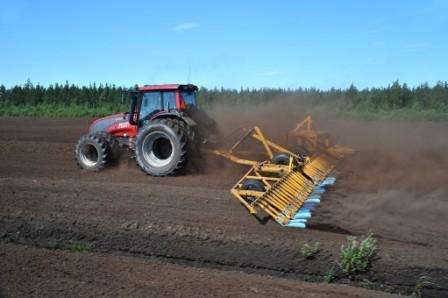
{"points": [[189, 98]]}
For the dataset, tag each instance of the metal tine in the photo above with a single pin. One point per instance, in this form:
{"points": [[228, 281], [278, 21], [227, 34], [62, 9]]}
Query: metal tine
{"points": [[273, 200], [269, 209], [280, 201], [286, 193], [277, 197]]}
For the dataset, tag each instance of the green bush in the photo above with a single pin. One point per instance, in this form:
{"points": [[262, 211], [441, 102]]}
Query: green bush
{"points": [[357, 256]]}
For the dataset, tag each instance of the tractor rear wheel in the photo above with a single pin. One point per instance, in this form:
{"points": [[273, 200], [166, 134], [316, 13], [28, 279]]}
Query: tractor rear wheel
{"points": [[92, 152], [161, 148]]}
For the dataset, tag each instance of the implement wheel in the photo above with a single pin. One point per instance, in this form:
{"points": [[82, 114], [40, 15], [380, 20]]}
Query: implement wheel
{"points": [[281, 158], [252, 184]]}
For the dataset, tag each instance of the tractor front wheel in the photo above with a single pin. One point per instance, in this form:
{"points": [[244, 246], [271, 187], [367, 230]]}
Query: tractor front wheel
{"points": [[113, 144], [161, 148], [92, 152]]}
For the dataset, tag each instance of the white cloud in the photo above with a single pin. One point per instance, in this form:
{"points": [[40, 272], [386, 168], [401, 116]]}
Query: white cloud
{"points": [[185, 26]]}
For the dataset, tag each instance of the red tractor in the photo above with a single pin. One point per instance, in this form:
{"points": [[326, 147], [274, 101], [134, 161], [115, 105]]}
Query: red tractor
{"points": [[162, 129]]}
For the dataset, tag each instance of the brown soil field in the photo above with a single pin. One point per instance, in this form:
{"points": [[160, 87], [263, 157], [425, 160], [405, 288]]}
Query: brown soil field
{"points": [[50, 273], [178, 231]]}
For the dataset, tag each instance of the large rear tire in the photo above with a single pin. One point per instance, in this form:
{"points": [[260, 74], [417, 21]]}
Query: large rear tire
{"points": [[161, 148], [92, 152]]}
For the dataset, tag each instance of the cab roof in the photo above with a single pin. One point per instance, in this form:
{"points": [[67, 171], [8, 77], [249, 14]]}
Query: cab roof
{"points": [[181, 87]]}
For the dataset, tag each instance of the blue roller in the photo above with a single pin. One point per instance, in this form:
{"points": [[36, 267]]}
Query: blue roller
{"points": [[306, 209], [315, 201], [315, 196], [299, 225], [299, 220], [302, 215], [309, 206], [328, 181], [318, 190]]}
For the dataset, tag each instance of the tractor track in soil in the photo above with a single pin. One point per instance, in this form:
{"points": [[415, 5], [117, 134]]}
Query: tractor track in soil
{"points": [[190, 220]]}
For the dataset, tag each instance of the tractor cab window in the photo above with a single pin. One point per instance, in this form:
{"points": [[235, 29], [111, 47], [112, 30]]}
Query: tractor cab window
{"points": [[151, 104], [169, 100], [189, 98]]}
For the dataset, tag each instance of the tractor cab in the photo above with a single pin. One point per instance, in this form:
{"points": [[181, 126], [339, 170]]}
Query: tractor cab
{"points": [[152, 101]]}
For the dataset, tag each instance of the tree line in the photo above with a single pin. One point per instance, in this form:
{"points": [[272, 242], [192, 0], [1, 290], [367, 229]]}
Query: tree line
{"points": [[95, 100]]}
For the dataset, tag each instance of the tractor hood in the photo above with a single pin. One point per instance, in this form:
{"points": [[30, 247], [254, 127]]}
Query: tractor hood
{"points": [[103, 124]]}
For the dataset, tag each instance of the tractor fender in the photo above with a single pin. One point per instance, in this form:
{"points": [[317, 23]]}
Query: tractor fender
{"points": [[188, 120]]}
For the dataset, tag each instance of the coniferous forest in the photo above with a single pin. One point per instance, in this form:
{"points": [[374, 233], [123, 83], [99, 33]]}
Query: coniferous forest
{"points": [[394, 101]]}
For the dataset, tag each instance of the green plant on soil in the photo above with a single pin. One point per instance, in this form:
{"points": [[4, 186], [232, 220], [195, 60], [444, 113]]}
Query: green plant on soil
{"points": [[309, 251], [330, 276], [75, 246], [357, 256], [79, 247], [422, 282]]}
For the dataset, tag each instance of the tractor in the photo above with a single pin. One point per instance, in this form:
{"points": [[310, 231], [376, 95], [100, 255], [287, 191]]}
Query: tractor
{"points": [[163, 129]]}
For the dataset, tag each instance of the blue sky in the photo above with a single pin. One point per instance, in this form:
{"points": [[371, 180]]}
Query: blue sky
{"points": [[228, 43]]}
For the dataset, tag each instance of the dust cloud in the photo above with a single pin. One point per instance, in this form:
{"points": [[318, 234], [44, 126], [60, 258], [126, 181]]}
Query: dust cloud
{"points": [[395, 185], [275, 117]]}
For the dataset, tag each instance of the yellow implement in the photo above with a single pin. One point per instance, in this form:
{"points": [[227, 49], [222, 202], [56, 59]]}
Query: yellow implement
{"points": [[315, 142], [324, 155], [286, 187]]}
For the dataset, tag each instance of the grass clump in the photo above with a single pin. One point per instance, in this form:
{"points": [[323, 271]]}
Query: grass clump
{"points": [[330, 276], [422, 282], [79, 247], [357, 256], [72, 246], [309, 251]]}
